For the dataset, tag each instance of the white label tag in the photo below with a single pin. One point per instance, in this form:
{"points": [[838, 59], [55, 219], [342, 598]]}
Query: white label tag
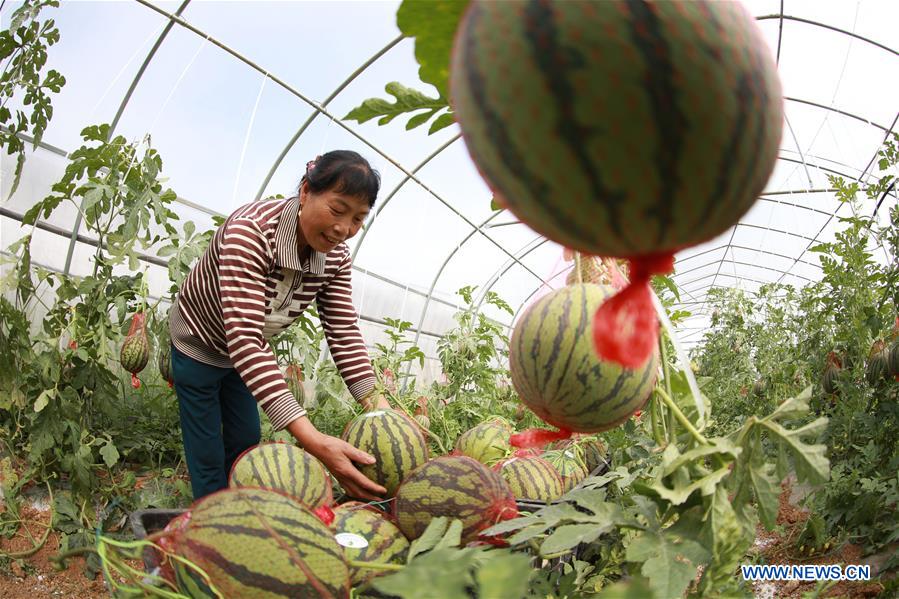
{"points": [[351, 540]]}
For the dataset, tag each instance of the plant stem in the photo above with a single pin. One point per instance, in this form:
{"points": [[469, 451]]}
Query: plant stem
{"points": [[666, 370], [654, 416], [685, 422], [436, 439]]}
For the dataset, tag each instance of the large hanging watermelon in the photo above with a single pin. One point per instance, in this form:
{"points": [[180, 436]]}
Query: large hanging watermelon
{"points": [[629, 129], [558, 375], [259, 543]]}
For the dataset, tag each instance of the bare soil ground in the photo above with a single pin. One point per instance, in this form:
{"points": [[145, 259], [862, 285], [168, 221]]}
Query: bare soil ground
{"points": [[779, 547], [35, 576]]}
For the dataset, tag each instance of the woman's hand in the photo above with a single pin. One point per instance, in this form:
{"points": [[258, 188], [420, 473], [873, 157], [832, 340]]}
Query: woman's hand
{"points": [[338, 456]]}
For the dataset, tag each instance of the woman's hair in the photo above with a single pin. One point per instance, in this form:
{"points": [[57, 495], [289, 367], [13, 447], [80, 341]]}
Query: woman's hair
{"points": [[344, 172]]}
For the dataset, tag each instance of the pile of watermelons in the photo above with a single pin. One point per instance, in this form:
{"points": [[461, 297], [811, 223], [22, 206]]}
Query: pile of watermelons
{"points": [[278, 530]]}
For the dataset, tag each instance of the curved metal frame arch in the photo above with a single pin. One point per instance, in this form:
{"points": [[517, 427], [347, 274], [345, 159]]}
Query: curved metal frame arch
{"points": [[323, 111], [115, 121], [399, 186], [293, 140]]}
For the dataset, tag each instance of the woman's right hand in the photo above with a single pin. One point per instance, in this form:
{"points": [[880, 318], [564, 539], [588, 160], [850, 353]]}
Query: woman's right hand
{"points": [[338, 456]]}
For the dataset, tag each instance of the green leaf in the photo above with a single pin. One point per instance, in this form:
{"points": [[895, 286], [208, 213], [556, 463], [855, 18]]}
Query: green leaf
{"points": [[44, 398], [634, 588], [448, 570], [504, 574], [433, 25], [110, 454], [494, 204], [728, 540], [811, 461], [442, 122], [669, 283], [429, 538], [767, 491], [568, 536], [453, 536], [406, 100], [669, 562]]}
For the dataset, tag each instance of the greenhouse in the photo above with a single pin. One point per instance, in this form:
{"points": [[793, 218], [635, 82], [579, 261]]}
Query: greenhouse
{"points": [[449, 298]]}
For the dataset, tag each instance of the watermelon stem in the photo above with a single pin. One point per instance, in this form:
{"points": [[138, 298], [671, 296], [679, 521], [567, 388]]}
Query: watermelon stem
{"points": [[685, 422], [435, 438]]}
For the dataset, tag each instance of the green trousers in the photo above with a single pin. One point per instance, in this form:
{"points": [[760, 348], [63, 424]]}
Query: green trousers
{"points": [[219, 420]]}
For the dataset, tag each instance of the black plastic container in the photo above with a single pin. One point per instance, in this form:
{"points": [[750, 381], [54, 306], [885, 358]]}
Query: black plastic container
{"points": [[146, 522]]}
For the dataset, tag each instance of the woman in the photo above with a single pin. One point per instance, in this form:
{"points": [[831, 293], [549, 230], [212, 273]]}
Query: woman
{"points": [[263, 267]]}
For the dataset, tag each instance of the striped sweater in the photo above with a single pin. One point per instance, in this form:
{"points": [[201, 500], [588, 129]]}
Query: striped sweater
{"points": [[250, 285]]}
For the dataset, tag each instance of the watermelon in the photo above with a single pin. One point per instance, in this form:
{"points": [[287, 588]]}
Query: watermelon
{"points": [[558, 375], [619, 128], [571, 469], [285, 468], [259, 543], [894, 361], [135, 351], [293, 376], [878, 365], [393, 439], [487, 442], [832, 369], [456, 487], [164, 362], [368, 535], [531, 479]]}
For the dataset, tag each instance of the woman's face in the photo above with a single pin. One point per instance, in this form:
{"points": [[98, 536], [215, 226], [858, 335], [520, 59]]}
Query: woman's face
{"points": [[329, 218]]}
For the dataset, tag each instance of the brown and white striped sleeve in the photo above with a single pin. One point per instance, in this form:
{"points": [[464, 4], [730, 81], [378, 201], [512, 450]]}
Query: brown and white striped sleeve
{"points": [[244, 262], [341, 325]]}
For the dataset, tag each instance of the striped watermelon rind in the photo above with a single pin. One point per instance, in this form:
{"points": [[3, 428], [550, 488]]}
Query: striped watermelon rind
{"points": [[894, 360], [487, 442], [532, 479], [619, 128], [384, 541], [571, 469], [285, 468], [556, 371], [259, 543], [394, 440], [455, 487]]}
